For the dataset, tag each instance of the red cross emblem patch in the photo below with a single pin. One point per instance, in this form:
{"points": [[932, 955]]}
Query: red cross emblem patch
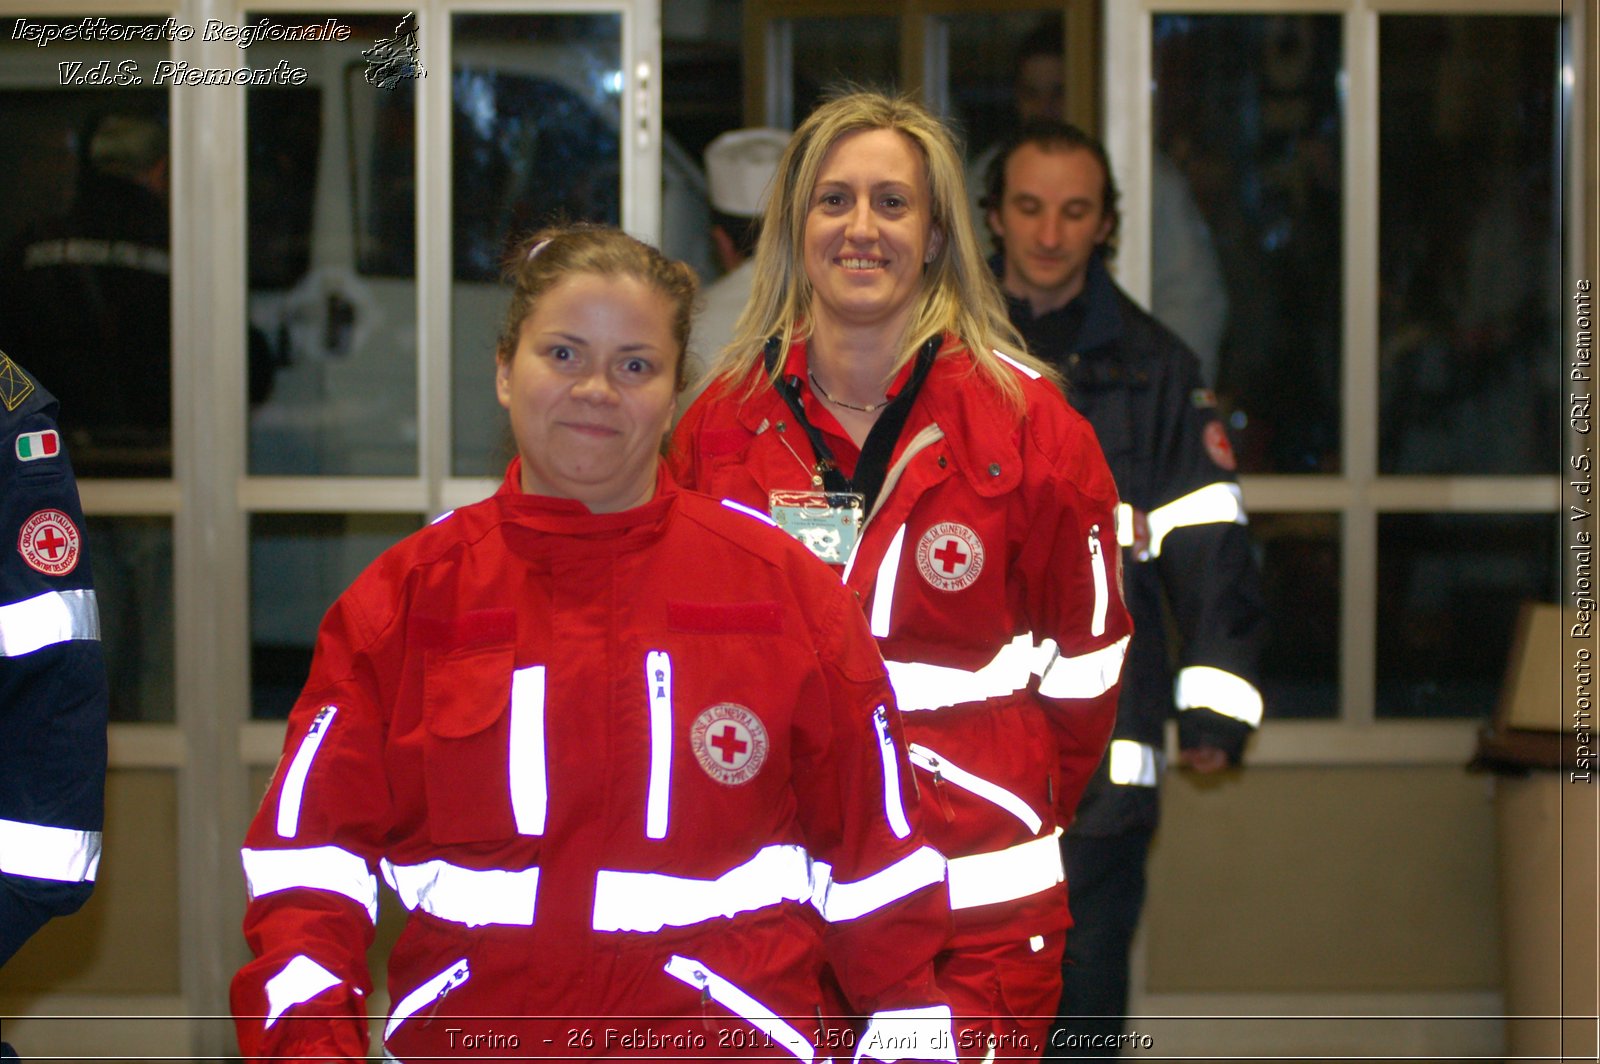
{"points": [[730, 742], [50, 543], [950, 556]]}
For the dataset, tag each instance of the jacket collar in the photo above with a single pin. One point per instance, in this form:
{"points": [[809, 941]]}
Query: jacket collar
{"points": [[546, 513], [1102, 318]]}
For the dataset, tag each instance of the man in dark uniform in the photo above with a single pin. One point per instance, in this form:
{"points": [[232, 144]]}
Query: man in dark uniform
{"points": [[1191, 579], [53, 700]]}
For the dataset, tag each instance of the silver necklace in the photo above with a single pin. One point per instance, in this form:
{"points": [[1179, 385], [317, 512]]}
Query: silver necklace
{"points": [[869, 408]]}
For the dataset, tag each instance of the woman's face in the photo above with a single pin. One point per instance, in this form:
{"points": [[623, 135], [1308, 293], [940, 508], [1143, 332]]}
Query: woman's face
{"points": [[869, 229], [591, 390]]}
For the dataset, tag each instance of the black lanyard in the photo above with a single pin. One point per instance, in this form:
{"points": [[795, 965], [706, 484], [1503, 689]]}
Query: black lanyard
{"points": [[873, 465]]}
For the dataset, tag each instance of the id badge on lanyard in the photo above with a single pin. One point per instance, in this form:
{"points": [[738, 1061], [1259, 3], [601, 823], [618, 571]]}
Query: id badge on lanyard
{"points": [[827, 522]]}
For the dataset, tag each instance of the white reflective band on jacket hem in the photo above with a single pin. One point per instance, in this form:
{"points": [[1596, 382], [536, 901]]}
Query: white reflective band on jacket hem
{"points": [[433, 990], [693, 973], [469, 896], [658, 682], [935, 762], [1132, 764], [900, 1034], [1204, 687], [839, 902], [1221, 503], [300, 980], [893, 808], [1085, 676], [529, 790], [294, 781], [47, 619], [1005, 875], [39, 852], [318, 868], [649, 901], [883, 591]]}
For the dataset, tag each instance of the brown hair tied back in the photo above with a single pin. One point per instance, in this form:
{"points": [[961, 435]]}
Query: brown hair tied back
{"points": [[545, 258]]}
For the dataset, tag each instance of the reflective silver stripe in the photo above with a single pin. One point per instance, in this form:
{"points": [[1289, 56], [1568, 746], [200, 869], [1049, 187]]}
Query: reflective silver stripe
{"points": [[470, 896], [901, 1034], [1127, 534], [300, 980], [649, 901], [318, 868], [658, 681], [1005, 875], [47, 619], [920, 687], [1132, 764], [530, 794], [1031, 374], [294, 781], [883, 591], [432, 990], [1203, 687], [1097, 568], [690, 971], [1087, 675], [39, 852], [1221, 503], [839, 902], [893, 808], [749, 512], [932, 761]]}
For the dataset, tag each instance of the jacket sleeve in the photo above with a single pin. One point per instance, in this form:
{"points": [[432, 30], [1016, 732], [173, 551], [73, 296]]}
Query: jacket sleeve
{"points": [[1073, 591], [53, 697], [880, 888], [1200, 542], [309, 861]]}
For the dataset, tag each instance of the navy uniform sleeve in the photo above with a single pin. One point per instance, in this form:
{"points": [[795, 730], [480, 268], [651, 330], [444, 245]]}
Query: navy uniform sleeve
{"points": [[53, 697], [1199, 540]]}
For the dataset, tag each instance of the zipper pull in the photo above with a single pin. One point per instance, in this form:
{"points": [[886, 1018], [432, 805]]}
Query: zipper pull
{"points": [[705, 998], [457, 977], [940, 792]]}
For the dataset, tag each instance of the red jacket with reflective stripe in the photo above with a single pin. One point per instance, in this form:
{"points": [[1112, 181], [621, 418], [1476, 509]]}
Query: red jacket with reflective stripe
{"points": [[1008, 541], [525, 700]]}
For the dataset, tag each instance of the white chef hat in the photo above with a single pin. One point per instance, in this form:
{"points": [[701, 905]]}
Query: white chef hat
{"points": [[740, 166]]}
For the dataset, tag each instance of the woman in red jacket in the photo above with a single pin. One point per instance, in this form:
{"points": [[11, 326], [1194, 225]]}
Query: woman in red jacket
{"points": [[615, 746], [867, 406]]}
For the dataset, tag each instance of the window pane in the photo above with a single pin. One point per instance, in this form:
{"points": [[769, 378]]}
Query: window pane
{"points": [[85, 267], [299, 564], [1300, 577], [1247, 113], [829, 51], [1470, 248], [332, 249], [536, 112], [1449, 587], [132, 559]]}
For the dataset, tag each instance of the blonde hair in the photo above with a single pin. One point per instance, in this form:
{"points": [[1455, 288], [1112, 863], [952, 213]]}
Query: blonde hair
{"points": [[959, 294], [544, 259]]}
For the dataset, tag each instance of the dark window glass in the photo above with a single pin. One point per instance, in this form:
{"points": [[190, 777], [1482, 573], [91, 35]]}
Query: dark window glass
{"points": [[861, 49], [1247, 113], [299, 564], [132, 559], [1300, 578], [1470, 244], [1449, 588]]}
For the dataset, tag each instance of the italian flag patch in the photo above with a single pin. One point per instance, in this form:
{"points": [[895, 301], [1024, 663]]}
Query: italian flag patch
{"points": [[32, 446]]}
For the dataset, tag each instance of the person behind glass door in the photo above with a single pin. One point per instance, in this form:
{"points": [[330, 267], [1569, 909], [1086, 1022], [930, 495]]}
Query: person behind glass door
{"points": [[1053, 207], [867, 404], [599, 734]]}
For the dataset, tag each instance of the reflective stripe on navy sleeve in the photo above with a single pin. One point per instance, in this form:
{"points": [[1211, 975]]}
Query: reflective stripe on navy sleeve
{"points": [[1204, 687], [1221, 503], [47, 619], [40, 852]]}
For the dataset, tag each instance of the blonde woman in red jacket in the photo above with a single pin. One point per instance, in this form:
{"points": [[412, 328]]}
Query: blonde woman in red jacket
{"points": [[877, 404], [627, 755]]}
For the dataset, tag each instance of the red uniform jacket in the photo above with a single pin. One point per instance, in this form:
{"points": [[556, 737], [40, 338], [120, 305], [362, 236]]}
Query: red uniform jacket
{"points": [[615, 765], [989, 570]]}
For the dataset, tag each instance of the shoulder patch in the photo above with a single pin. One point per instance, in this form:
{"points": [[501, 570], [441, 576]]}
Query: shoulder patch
{"points": [[1203, 399], [33, 446], [15, 385], [49, 542], [1218, 445]]}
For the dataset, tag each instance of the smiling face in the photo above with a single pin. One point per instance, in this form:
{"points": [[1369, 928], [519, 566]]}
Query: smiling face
{"points": [[590, 389], [1051, 218], [869, 230]]}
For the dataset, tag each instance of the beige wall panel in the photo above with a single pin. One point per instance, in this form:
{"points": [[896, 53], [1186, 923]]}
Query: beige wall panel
{"points": [[1319, 880], [124, 941]]}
